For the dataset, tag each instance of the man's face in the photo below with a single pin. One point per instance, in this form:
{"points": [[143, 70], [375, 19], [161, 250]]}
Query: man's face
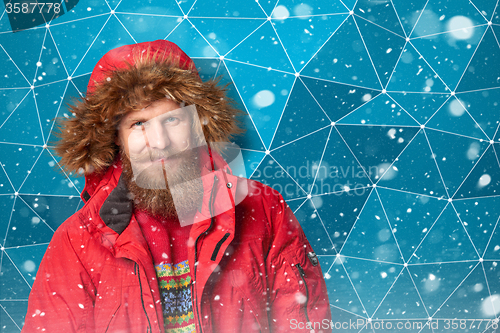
{"points": [[160, 164], [153, 137]]}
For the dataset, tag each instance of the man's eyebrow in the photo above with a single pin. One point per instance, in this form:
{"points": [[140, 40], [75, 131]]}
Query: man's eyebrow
{"points": [[136, 119], [176, 112]]}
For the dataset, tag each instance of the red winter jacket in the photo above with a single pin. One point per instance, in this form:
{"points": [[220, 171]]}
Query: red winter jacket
{"points": [[253, 268]]}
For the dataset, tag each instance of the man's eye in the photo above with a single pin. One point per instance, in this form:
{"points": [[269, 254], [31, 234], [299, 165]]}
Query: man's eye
{"points": [[171, 119]]}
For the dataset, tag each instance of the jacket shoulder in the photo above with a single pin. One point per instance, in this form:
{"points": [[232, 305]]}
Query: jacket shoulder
{"points": [[258, 191]]}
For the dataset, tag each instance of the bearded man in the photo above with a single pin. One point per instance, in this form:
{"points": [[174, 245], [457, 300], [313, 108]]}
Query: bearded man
{"points": [[169, 240]]}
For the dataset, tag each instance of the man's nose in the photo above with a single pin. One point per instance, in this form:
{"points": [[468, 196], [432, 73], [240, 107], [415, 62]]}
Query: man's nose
{"points": [[157, 135]]}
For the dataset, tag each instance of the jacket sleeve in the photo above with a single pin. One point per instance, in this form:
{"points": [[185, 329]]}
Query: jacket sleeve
{"points": [[297, 294], [62, 296]]}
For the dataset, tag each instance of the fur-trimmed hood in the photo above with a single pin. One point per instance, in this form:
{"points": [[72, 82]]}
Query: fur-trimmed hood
{"points": [[129, 78]]}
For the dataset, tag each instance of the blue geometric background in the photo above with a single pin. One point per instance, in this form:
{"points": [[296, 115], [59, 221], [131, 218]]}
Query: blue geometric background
{"points": [[378, 121]]}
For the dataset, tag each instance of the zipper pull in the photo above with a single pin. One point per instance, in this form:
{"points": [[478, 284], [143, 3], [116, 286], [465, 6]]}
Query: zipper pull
{"points": [[301, 270], [313, 258]]}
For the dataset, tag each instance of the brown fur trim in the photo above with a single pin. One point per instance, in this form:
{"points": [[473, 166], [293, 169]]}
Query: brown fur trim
{"points": [[87, 140]]}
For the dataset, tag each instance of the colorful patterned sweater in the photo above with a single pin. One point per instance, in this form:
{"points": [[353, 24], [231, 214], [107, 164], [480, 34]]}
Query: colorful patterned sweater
{"points": [[167, 241]]}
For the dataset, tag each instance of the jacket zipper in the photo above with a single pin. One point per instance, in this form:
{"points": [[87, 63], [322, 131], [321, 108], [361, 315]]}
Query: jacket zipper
{"points": [[302, 276], [194, 293], [142, 300]]}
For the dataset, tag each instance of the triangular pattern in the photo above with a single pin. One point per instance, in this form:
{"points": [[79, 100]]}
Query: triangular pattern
{"points": [[377, 147], [415, 170], [412, 307], [148, 27], [420, 106], [25, 58], [24, 120], [365, 273], [305, 160], [85, 31], [80, 84], [315, 230], [496, 15], [5, 24], [100, 47], [264, 102], [433, 284], [384, 46], [381, 110], [482, 73], [226, 34], [312, 32], [43, 206], [302, 116], [410, 217], [373, 235], [281, 181], [342, 57], [385, 17], [27, 260], [478, 103], [455, 167], [20, 160], [252, 160], [49, 106], [339, 223], [5, 184], [10, 100], [6, 205], [486, 7], [336, 99], [38, 182], [268, 6], [312, 71], [26, 227], [152, 7], [12, 77], [339, 170], [185, 5], [295, 204], [408, 13], [263, 41], [50, 67], [342, 297], [305, 10], [454, 118], [449, 237], [78, 13], [207, 8], [461, 14], [191, 41], [251, 135], [480, 216], [412, 73], [481, 182], [450, 64], [209, 69], [14, 285], [11, 315]]}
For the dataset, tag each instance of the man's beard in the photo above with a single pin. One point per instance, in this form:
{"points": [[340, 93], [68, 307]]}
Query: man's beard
{"points": [[154, 188]]}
